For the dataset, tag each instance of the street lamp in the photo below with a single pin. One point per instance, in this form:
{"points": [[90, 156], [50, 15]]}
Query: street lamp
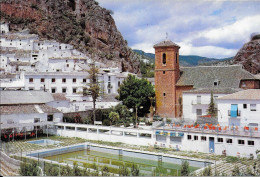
{"points": [[136, 107]]}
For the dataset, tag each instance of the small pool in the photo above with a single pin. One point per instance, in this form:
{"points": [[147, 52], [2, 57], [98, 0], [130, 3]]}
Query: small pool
{"points": [[44, 142]]}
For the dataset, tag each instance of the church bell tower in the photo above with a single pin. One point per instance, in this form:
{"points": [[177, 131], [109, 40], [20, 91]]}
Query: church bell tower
{"points": [[167, 73]]}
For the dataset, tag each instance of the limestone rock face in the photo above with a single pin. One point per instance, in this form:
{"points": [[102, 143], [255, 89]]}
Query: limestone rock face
{"points": [[81, 23], [249, 56]]}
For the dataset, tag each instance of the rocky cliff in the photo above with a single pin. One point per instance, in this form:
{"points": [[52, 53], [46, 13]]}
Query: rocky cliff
{"points": [[81, 23], [249, 56]]}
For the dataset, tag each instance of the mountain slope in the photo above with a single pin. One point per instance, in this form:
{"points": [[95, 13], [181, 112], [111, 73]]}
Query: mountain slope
{"points": [[249, 55], [81, 23], [186, 60]]}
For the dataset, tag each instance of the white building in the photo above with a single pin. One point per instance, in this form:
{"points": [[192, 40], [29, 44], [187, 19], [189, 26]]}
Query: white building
{"points": [[196, 102], [26, 111], [240, 109], [4, 28]]}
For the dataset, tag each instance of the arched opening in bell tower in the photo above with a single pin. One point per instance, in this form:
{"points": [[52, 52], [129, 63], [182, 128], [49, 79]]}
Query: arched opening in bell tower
{"points": [[164, 58]]}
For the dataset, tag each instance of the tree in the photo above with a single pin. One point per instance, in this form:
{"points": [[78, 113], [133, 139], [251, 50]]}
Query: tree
{"points": [[29, 169], [105, 171], [235, 171], [185, 168], [76, 170], [114, 117], [134, 93], [207, 171], [135, 170], [123, 171], [93, 88], [66, 171], [123, 112], [212, 110]]}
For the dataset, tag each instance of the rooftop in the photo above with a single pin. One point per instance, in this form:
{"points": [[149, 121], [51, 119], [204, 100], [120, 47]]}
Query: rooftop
{"points": [[205, 76], [59, 97], [12, 97], [214, 90], [27, 109], [250, 94], [166, 43]]}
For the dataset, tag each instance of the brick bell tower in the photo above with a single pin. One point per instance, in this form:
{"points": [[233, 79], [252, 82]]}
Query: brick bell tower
{"points": [[167, 73]]}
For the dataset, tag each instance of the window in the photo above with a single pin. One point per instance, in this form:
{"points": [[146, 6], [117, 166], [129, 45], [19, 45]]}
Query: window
{"points": [[118, 84], [253, 107], [163, 72], [53, 90], [68, 65], [198, 99], [74, 80], [31, 80], [196, 137], [64, 90], [109, 91], [189, 137], [199, 112], [164, 94], [241, 141], [176, 57], [109, 78], [74, 90], [84, 80], [164, 59], [53, 80], [229, 141], [42, 80], [220, 140], [203, 138], [250, 143], [216, 83], [74, 100], [31, 88], [245, 106], [50, 118], [85, 91], [37, 120], [63, 80]]}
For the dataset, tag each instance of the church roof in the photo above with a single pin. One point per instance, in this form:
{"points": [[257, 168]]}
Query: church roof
{"points": [[206, 76], [166, 43]]}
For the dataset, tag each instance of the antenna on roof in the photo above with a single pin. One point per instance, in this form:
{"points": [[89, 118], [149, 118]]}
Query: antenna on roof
{"points": [[166, 36]]}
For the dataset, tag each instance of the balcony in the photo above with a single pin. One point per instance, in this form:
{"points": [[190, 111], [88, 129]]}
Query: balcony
{"points": [[197, 102]]}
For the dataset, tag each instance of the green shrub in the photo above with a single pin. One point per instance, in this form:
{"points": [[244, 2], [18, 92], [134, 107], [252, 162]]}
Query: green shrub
{"points": [[117, 163], [231, 159]]}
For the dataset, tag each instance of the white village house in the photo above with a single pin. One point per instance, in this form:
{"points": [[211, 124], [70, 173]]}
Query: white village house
{"points": [[240, 109], [26, 111]]}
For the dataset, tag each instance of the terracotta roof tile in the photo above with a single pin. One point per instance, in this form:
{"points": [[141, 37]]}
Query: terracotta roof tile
{"points": [[166, 43]]}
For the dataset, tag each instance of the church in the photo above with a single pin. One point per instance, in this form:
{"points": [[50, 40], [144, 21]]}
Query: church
{"points": [[171, 80]]}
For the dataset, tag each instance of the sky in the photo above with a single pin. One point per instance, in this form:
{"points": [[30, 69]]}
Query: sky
{"points": [[215, 29]]}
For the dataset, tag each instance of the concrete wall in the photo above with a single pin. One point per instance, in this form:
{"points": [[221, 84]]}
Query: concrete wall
{"points": [[195, 143], [113, 134]]}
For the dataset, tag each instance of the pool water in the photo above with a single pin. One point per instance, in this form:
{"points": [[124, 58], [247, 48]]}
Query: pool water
{"points": [[87, 158], [44, 142]]}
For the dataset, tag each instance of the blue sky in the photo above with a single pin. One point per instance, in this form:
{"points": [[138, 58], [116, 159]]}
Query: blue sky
{"points": [[215, 29]]}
